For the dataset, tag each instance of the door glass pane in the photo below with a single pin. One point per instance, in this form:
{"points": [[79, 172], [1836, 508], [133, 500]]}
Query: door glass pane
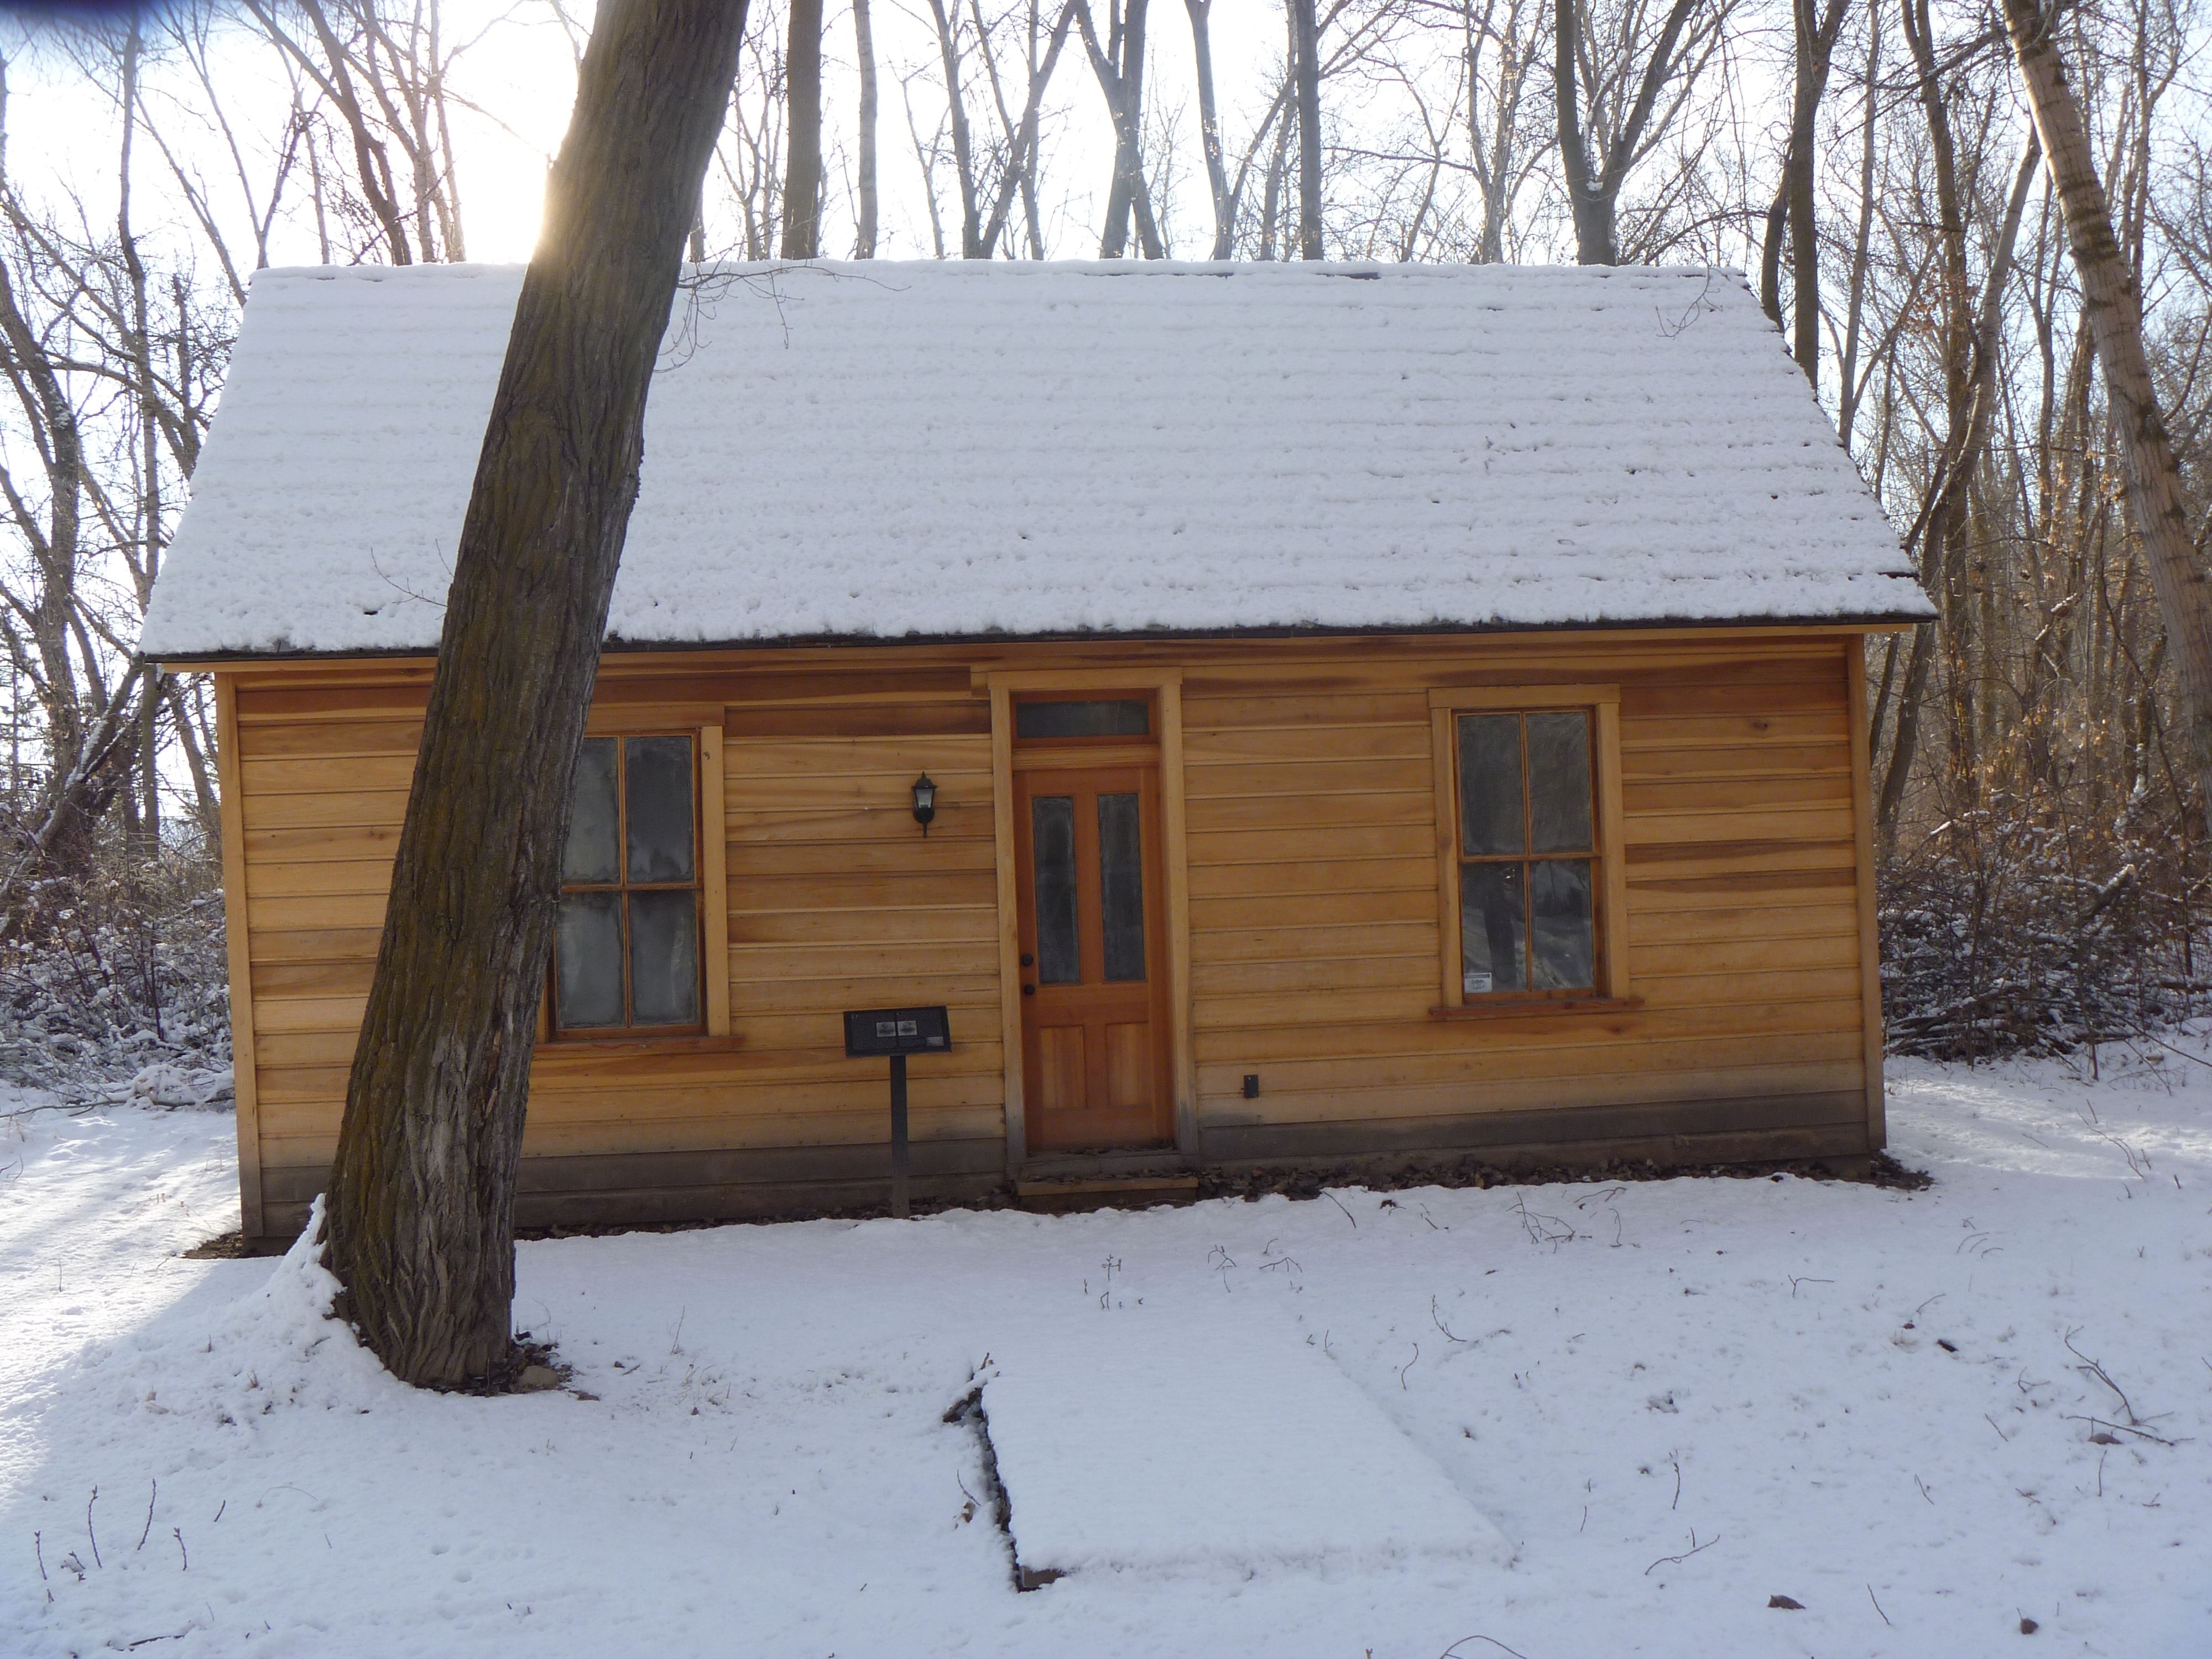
{"points": [[658, 791], [663, 958], [1560, 782], [594, 827], [1052, 825], [1122, 886], [1560, 907], [1492, 921], [1490, 783], [1123, 718], [589, 961]]}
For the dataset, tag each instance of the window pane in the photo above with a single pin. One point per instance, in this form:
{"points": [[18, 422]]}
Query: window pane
{"points": [[1560, 906], [1492, 921], [1560, 782], [1052, 824], [663, 958], [1131, 717], [1122, 886], [589, 957], [594, 828], [1489, 784], [658, 791]]}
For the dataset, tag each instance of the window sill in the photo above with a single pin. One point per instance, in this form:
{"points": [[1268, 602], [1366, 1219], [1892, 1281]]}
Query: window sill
{"points": [[1516, 1007], [688, 1043]]}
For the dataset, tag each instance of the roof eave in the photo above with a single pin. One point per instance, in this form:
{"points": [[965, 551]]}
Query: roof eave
{"points": [[1864, 622]]}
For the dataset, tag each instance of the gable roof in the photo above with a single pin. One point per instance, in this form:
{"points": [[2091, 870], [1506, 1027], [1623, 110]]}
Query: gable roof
{"points": [[885, 451]]}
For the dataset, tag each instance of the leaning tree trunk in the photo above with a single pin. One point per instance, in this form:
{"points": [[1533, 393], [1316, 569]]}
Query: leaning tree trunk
{"points": [[2114, 306], [421, 1198]]}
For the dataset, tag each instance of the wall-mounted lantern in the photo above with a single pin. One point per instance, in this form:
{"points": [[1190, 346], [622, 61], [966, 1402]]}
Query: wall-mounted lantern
{"points": [[925, 802]]}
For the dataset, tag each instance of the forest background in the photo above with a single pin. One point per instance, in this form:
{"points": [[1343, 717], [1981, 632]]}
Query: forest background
{"points": [[1868, 162]]}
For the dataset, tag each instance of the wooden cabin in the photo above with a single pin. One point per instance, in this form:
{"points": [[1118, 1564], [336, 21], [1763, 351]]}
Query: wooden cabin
{"points": [[1375, 715]]}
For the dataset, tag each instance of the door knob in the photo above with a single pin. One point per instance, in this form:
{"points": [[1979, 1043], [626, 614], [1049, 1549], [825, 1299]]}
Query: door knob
{"points": [[1028, 990], [1028, 961]]}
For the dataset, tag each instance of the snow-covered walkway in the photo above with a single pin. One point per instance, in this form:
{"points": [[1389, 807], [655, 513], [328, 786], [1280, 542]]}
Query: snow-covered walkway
{"points": [[1926, 1417]]}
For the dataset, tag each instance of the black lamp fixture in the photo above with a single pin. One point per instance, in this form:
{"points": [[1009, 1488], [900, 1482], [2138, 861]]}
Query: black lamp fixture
{"points": [[925, 802]]}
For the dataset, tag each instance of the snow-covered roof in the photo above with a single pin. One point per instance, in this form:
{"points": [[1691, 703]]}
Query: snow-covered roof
{"points": [[942, 450]]}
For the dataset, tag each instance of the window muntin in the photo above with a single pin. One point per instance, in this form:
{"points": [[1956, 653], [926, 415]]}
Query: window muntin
{"points": [[627, 956], [1528, 862]]}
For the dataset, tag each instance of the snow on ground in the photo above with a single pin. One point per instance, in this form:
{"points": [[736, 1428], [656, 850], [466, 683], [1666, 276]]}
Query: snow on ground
{"points": [[1675, 1399]]}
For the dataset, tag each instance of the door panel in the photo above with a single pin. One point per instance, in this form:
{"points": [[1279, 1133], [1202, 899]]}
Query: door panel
{"points": [[1094, 1001]]}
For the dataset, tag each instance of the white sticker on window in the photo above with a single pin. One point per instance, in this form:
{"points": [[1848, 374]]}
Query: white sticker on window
{"points": [[1476, 984]]}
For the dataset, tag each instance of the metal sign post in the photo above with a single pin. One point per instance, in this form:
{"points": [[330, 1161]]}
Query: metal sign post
{"points": [[897, 1032]]}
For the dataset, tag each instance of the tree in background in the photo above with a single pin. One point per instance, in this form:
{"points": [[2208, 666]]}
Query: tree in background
{"points": [[2112, 309], [421, 1197], [802, 179]]}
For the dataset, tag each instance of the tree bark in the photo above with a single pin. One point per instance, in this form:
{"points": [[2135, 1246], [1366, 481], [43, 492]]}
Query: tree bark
{"points": [[802, 174], [1307, 33], [864, 41], [421, 1195], [2114, 305]]}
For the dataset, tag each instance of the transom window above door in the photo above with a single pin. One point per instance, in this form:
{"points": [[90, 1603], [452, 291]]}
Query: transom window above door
{"points": [[1057, 719], [627, 956], [1530, 876]]}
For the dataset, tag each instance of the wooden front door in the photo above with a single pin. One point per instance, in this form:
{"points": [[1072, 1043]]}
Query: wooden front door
{"points": [[1094, 1002]]}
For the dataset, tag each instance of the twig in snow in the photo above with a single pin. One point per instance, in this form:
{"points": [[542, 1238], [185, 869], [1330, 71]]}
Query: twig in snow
{"points": [[177, 1533], [148, 1527], [1992, 1422], [38, 1547], [2100, 1422], [1409, 1366], [1677, 1504], [676, 1336], [1696, 1548], [1436, 1318], [219, 1509], [1877, 1607], [2091, 1368], [1922, 1485], [1796, 1279], [1338, 1202], [88, 1531], [1451, 1652]]}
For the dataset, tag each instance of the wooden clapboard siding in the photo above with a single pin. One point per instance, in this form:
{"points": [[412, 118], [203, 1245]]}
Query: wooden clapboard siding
{"points": [[834, 900], [1304, 926], [1314, 926], [837, 900]]}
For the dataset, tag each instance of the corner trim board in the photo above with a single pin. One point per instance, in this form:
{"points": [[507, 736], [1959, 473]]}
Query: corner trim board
{"points": [[1869, 906], [239, 947]]}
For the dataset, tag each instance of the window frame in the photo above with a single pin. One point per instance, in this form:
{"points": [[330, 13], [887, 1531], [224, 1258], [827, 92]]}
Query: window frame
{"points": [[709, 883], [1609, 888]]}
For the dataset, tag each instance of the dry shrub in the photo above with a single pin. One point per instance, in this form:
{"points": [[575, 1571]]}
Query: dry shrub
{"points": [[113, 983], [2010, 931]]}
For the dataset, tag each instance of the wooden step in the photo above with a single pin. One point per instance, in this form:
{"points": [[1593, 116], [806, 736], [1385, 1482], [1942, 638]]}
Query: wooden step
{"points": [[1070, 1195]]}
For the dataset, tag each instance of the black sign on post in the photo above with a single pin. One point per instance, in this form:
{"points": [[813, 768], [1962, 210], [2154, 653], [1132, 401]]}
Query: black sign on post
{"points": [[897, 1032]]}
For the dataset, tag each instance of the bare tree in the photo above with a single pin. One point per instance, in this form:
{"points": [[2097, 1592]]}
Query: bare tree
{"points": [[863, 242], [1619, 81], [1119, 63], [2113, 306], [802, 179]]}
